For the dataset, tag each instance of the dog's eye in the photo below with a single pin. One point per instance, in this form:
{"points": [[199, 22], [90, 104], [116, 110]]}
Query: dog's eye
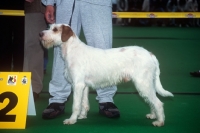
{"points": [[55, 29]]}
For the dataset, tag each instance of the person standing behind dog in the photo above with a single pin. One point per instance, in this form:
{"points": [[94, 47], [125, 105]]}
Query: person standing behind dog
{"points": [[95, 17], [34, 51]]}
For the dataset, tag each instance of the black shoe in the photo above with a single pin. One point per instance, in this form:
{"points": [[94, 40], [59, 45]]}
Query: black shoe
{"points": [[195, 74], [53, 110], [109, 110]]}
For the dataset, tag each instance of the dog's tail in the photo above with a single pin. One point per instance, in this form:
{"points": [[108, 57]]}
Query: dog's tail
{"points": [[159, 89]]}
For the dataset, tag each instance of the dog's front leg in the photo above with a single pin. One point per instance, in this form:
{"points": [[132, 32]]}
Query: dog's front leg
{"points": [[76, 108], [85, 104]]}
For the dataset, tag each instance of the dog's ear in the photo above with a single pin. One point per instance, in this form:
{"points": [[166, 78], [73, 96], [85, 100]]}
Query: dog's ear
{"points": [[66, 33]]}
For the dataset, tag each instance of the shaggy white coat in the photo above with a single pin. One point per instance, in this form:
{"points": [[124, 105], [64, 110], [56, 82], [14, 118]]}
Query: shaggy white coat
{"points": [[87, 66]]}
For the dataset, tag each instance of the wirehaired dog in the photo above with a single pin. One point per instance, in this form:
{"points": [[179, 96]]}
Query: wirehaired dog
{"points": [[87, 66]]}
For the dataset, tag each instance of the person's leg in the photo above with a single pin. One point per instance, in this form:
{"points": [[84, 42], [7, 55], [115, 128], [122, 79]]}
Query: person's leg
{"points": [[59, 87], [33, 51], [97, 27]]}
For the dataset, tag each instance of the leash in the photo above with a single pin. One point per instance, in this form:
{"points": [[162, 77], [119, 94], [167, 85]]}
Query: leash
{"points": [[70, 21]]}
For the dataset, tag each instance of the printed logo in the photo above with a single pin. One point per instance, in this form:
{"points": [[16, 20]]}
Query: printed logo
{"points": [[151, 15], [114, 15], [24, 80], [190, 15], [12, 80]]}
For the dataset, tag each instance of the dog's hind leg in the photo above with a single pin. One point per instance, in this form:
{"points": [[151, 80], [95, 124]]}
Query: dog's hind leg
{"points": [[146, 90], [158, 105], [157, 111], [85, 104], [77, 100], [152, 115]]}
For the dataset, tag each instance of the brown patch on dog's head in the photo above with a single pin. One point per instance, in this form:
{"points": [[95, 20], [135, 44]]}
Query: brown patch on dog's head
{"points": [[66, 33], [151, 54], [122, 49], [55, 29]]}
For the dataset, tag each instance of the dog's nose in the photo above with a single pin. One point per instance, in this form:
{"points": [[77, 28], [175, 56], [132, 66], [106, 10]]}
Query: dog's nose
{"points": [[41, 34]]}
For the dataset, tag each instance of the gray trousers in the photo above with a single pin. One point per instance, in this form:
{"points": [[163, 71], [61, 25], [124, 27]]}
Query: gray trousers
{"points": [[33, 50], [96, 22]]}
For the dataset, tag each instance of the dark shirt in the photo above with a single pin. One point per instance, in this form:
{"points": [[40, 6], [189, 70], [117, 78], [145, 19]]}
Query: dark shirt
{"points": [[182, 2], [12, 4]]}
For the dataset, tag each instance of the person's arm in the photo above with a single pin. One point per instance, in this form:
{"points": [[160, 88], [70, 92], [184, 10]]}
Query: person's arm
{"points": [[50, 11], [50, 14]]}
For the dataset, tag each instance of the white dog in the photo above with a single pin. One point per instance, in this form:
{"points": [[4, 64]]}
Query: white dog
{"points": [[97, 68]]}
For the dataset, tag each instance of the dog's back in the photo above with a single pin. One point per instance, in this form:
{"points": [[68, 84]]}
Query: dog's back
{"points": [[111, 66]]}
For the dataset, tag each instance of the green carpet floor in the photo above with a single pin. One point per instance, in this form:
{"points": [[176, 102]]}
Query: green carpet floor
{"points": [[177, 50]]}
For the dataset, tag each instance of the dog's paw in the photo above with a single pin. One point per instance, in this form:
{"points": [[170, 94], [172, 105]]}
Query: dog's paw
{"points": [[82, 117], [158, 123], [151, 116], [69, 121]]}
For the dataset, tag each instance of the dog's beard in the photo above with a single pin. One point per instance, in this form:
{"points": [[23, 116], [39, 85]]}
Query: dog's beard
{"points": [[47, 43]]}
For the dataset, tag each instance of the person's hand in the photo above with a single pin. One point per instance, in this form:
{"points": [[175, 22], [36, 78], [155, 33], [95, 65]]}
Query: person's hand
{"points": [[49, 14], [30, 1]]}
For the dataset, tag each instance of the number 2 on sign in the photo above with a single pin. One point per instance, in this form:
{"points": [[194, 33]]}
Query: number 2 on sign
{"points": [[11, 105]]}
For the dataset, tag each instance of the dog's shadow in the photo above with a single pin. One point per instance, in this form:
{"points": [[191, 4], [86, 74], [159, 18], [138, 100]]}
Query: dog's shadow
{"points": [[123, 121]]}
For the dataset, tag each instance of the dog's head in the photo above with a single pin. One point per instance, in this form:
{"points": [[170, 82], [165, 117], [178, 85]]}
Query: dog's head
{"points": [[56, 35]]}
